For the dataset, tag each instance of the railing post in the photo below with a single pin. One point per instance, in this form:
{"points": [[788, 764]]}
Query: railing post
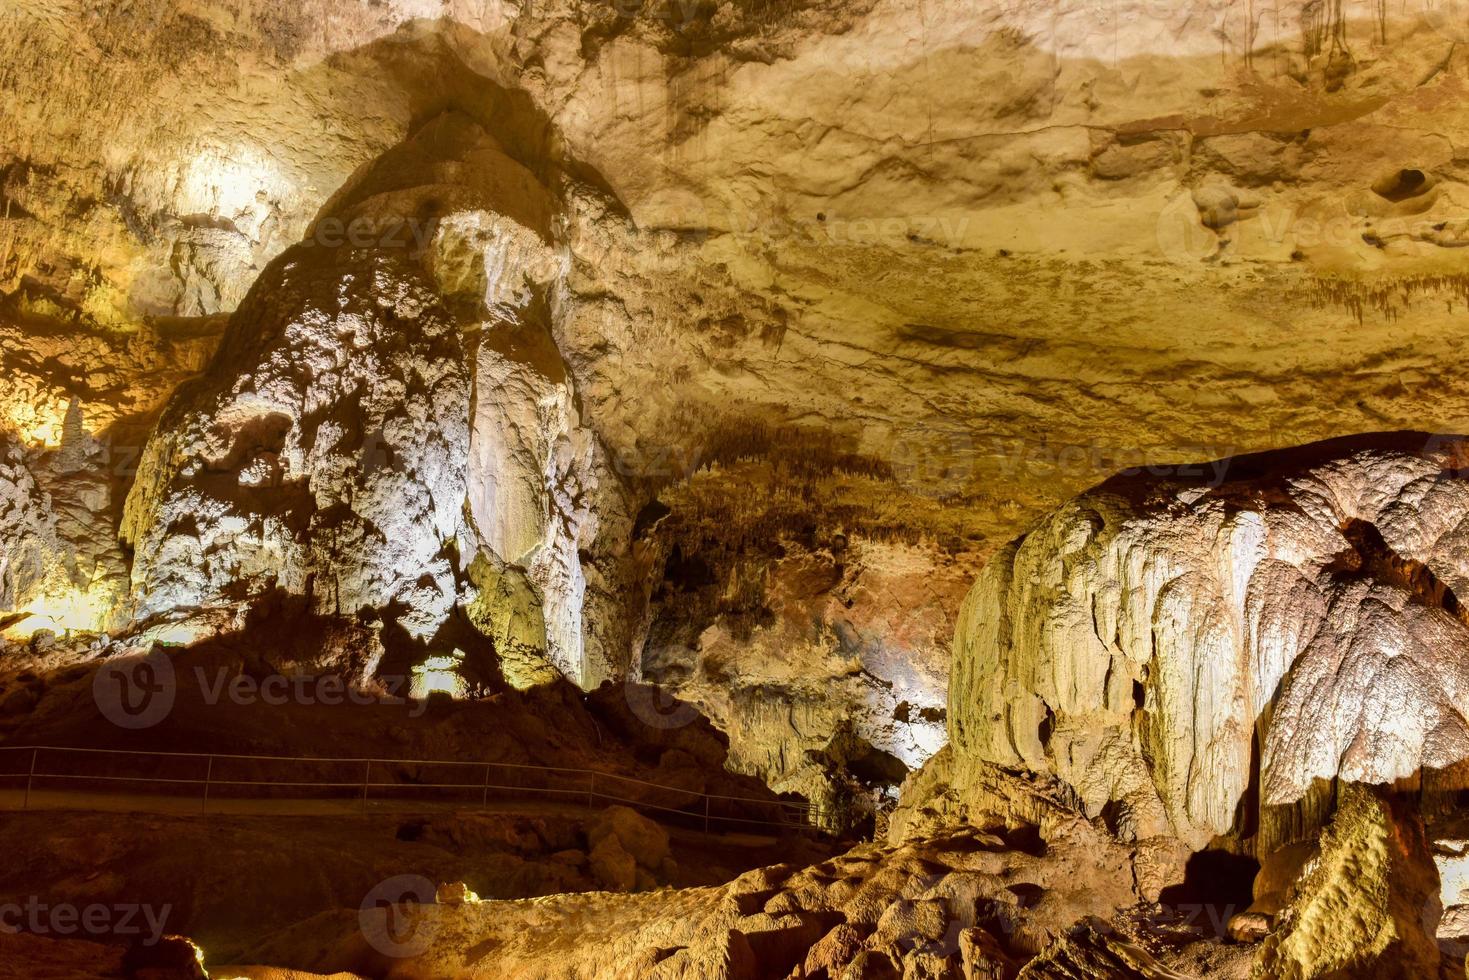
{"points": [[706, 812], [366, 778], [26, 803], [484, 804], [208, 776], [592, 790]]}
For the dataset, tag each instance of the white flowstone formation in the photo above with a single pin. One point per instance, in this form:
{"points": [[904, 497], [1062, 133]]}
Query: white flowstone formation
{"points": [[387, 408], [532, 483], [1167, 645], [27, 531], [321, 455]]}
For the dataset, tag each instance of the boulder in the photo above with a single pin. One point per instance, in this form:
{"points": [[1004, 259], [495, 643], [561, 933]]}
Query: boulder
{"points": [[834, 950], [614, 868], [455, 893], [871, 964], [639, 836], [572, 858], [1368, 906]]}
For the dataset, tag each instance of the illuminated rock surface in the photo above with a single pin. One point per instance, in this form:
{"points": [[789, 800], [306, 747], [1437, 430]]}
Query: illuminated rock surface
{"points": [[720, 345], [1138, 642], [1367, 906], [318, 456], [985, 255], [964, 897]]}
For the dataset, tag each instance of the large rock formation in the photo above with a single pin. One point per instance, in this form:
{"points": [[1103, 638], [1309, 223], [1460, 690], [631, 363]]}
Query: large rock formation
{"points": [[387, 428], [987, 254], [322, 455], [1192, 654]]}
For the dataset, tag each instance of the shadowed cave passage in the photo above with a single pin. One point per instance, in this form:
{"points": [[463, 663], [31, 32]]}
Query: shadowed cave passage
{"points": [[1216, 884]]}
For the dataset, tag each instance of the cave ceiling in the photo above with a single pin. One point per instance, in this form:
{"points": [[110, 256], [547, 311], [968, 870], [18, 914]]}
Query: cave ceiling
{"points": [[1004, 248]]}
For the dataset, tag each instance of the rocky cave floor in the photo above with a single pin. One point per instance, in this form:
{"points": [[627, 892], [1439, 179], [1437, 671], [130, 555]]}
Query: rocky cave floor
{"points": [[993, 874]]}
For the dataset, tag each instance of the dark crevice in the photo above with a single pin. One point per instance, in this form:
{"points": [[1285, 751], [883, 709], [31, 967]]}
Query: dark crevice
{"points": [[1215, 879], [1371, 556], [1403, 185]]}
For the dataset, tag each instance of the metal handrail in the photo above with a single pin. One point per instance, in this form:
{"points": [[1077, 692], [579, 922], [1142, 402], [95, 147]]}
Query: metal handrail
{"points": [[808, 811], [362, 760]]}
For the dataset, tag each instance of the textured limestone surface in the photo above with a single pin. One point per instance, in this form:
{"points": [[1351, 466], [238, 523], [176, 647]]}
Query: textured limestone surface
{"points": [[830, 676], [1190, 197], [321, 455], [983, 253], [961, 905], [1193, 655], [76, 406], [387, 428], [721, 343], [1366, 906]]}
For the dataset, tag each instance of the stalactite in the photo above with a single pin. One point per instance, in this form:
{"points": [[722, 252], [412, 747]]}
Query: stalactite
{"points": [[1313, 27], [1338, 27], [1389, 299]]}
